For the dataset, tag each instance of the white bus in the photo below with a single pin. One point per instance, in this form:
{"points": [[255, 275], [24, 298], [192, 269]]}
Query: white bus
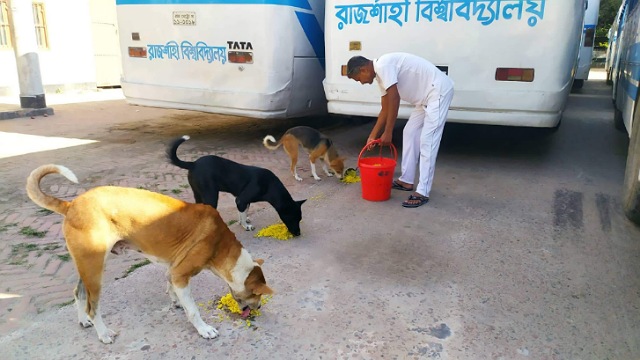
{"points": [[613, 52], [588, 39], [255, 58], [512, 61], [612, 47], [627, 102]]}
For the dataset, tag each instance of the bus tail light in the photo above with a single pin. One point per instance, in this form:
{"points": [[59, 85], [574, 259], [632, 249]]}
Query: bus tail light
{"points": [[139, 52], [515, 74], [241, 57]]}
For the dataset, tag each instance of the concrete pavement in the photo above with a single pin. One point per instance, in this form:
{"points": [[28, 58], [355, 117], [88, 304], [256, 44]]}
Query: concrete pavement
{"points": [[497, 266]]}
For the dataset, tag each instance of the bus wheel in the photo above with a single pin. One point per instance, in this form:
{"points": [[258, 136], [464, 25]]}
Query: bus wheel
{"points": [[631, 190], [578, 83], [618, 121]]}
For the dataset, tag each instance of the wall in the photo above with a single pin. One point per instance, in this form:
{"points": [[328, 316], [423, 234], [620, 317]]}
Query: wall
{"points": [[69, 62]]}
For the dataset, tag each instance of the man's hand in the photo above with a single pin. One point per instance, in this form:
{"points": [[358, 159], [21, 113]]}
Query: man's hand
{"points": [[386, 137], [369, 140]]}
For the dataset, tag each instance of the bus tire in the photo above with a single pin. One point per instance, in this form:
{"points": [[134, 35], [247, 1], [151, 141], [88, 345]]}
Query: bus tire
{"points": [[631, 189], [618, 121], [578, 83]]}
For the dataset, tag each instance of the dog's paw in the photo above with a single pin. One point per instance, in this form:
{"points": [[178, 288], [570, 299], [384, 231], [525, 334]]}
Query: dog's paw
{"points": [[329, 174], [108, 336], [249, 227], [298, 178], [208, 332], [175, 305], [85, 323], [317, 178]]}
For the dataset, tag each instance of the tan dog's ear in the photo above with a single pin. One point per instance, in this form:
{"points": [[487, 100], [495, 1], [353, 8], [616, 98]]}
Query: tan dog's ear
{"points": [[263, 289], [259, 261]]}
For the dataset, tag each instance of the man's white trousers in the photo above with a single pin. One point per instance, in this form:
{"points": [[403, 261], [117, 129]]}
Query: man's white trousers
{"points": [[421, 140]]}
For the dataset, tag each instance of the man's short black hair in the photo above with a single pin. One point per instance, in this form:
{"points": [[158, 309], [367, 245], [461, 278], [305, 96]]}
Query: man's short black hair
{"points": [[355, 63]]}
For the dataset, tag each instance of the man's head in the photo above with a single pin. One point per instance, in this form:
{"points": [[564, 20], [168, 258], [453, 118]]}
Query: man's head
{"points": [[360, 69]]}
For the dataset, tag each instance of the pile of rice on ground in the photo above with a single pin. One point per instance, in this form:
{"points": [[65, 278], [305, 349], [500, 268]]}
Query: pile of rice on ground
{"points": [[277, 231], [229, 306], [350, 176]]}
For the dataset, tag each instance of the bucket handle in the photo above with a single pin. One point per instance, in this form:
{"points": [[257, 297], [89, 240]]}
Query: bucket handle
{"points": [[394, 152]]}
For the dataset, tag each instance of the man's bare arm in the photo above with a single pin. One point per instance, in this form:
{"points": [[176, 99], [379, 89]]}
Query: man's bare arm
{"points": [[380, 122], [392, 106]]}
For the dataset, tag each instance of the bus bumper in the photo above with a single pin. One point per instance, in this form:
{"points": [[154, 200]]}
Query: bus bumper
{"points": [[458, 115]]}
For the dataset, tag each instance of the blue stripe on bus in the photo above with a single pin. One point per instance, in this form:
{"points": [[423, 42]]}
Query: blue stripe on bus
{"points": [[631, 71], [314, 33], [630, 89], [589, 26], [303, 4]]}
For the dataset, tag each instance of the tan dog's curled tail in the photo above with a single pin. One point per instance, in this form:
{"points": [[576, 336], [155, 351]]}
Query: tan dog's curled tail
{"points": [[268, 139], [47, 201]]}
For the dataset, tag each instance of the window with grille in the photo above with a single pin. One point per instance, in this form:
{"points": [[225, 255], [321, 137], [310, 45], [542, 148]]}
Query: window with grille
{"points": [[5, 35], [40, 21]]}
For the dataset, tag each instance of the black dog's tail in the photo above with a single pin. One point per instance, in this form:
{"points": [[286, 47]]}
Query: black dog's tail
{"points": [[173, 157]]}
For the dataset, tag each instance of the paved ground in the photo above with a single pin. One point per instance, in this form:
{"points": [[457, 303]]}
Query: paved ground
{"points": [[521, 253]]}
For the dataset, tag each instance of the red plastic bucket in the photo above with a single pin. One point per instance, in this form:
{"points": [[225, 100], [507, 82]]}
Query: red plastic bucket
{"points": [[376, 173]]}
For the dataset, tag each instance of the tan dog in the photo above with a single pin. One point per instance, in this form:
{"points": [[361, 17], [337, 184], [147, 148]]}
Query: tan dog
{"points": [[186, 237], [316, 144]]}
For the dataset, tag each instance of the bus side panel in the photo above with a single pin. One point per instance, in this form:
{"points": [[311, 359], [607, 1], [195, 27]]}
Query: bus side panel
{"points": [[180, 72], [471, 49], [617, 60], [629, 67], [586, 48], [612, 52], [307, 93]]}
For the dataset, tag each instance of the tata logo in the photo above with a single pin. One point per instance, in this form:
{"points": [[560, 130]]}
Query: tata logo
{"points": [[239, 45]]}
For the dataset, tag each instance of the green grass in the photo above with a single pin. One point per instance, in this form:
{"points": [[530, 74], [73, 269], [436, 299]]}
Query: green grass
{"points": [[141, 187], [64, 257], [231, 222], [47, 247], [23, 247], [44, 212], [66, 303], [184, 186], [31, 232], [176, 191], [6, 227], [135, 266], [20, 252]]}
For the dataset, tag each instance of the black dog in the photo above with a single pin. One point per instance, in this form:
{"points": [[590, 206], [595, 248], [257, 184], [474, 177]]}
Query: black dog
{"points": [[211, 174]]}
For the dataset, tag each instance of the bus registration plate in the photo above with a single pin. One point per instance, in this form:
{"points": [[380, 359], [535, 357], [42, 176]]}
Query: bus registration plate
{"points": [[184, 18]]}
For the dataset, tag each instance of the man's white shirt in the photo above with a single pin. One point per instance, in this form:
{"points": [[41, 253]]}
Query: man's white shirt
{"points": [[417, 79]]}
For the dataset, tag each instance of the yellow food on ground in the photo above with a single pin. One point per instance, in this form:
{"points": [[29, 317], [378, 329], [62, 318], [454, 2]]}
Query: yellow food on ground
{"points": [[350, 177], [229, 304], [278, 231], [317, 197]]}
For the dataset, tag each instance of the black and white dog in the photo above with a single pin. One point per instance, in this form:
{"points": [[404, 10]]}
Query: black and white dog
{"points": [[211, 174]]}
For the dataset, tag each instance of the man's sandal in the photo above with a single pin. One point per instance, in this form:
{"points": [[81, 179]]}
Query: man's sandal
{"points": [[396, 185], [415, 201]]}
